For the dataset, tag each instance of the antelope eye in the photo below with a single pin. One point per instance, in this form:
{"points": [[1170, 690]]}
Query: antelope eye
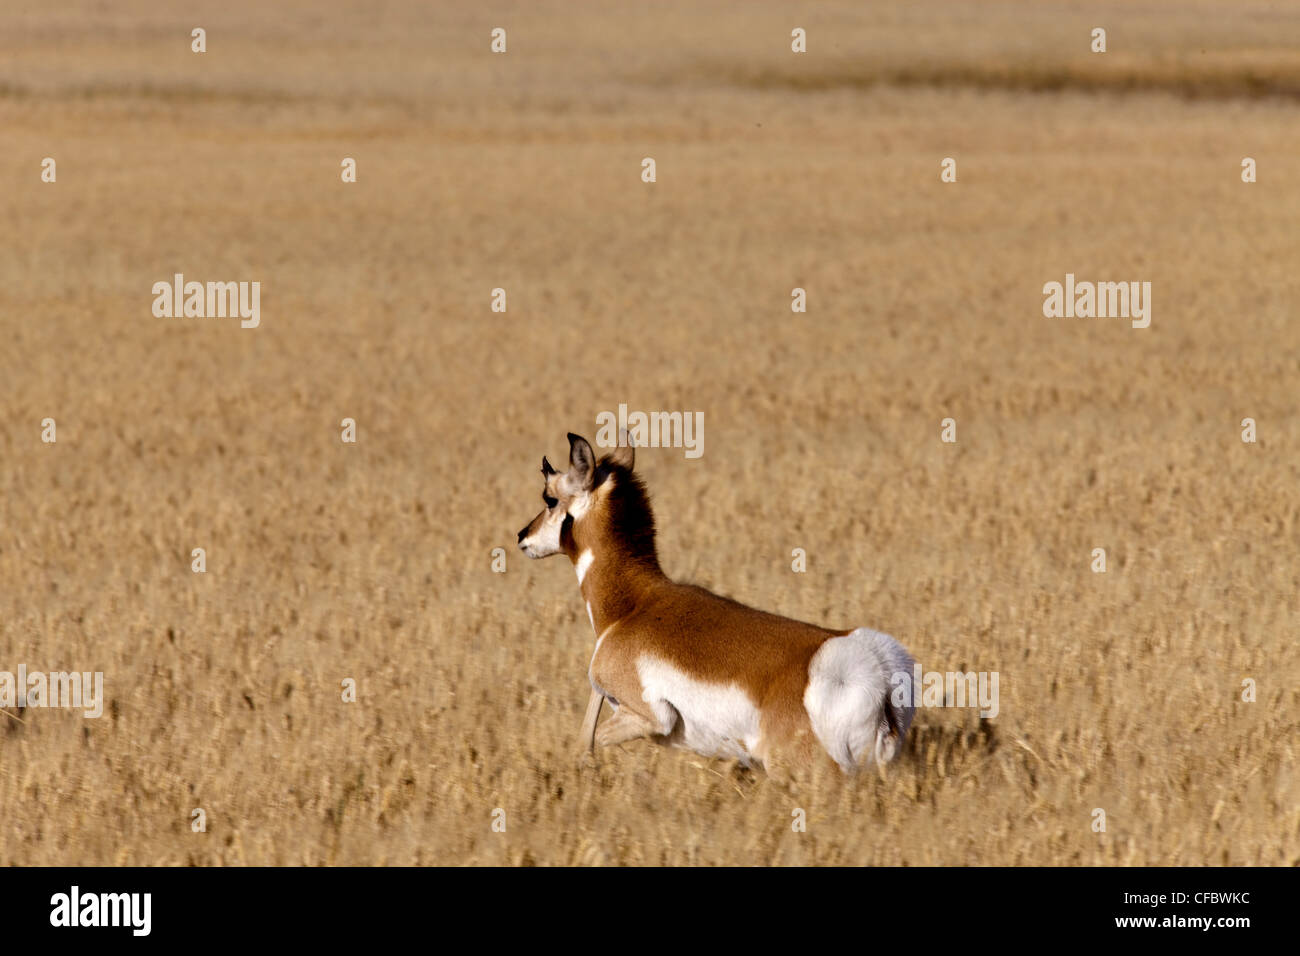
{"points": [[550, 502]]}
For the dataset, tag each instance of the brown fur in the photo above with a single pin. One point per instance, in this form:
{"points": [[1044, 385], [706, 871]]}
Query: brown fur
{"points": [[710, 637]]}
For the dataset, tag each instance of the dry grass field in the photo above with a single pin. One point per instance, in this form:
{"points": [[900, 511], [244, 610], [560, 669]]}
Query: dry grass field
{"points": [[373, 561]]}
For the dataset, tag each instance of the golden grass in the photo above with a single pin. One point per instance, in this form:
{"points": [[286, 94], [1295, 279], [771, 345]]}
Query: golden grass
{"points": [[327, 561]]}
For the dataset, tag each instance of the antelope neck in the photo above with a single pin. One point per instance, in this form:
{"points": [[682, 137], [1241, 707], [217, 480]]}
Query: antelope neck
{"points": [[611, 584]]}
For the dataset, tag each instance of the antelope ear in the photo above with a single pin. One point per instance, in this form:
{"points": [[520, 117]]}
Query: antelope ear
{"points": [[582, 461], [547, 470], [625, 453]]}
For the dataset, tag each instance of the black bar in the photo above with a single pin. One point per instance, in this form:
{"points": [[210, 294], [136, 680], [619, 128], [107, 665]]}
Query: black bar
{"points": [[878, 907]]}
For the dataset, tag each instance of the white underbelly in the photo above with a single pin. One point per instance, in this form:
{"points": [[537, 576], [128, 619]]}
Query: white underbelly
{"points": [[716, 720]]}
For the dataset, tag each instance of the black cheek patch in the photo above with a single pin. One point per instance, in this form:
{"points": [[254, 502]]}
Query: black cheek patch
{"points": [[566, 531]]}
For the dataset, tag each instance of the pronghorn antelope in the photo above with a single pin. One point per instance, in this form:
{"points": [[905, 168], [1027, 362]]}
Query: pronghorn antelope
{"points": [[682, 664]]}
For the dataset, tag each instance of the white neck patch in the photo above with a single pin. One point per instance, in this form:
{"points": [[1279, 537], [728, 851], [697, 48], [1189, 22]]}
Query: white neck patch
{"points": [[585, 561], [579, 505]]}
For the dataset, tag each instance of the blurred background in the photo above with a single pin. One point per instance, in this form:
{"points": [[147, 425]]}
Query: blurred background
{"points": [[522, 171]]}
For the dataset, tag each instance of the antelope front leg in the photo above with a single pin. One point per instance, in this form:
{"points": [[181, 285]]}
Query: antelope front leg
{"points": [[624, 726], [587, 736]]}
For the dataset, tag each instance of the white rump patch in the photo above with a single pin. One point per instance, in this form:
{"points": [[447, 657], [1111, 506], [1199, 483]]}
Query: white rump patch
{"points": [[718, 720], [850, 679]]}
